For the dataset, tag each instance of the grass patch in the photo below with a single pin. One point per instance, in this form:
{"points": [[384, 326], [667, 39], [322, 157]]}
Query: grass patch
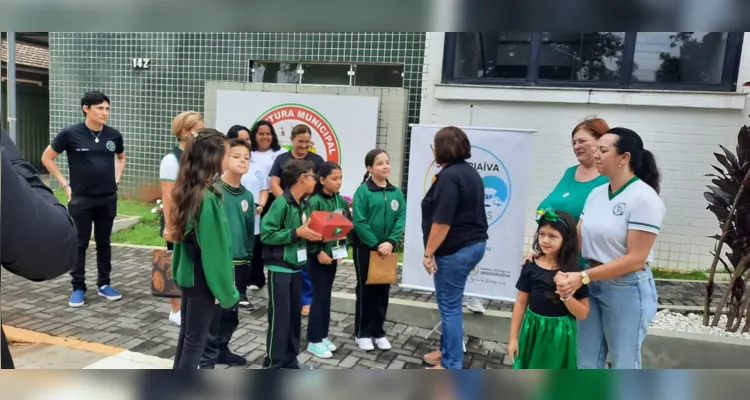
{"points": [[146, 232], [690, 276]]}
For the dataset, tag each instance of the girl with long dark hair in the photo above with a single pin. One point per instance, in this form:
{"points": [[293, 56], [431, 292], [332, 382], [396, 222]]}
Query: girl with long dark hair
{"points": [[543, 326], [202, 261]]}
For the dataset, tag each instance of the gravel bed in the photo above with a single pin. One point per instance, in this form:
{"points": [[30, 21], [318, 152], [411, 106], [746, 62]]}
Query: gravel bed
{"points": [[693, 323]]}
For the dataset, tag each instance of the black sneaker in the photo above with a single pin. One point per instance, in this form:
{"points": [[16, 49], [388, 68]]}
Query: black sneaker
{"points": [[231, 359], [245, 304]]}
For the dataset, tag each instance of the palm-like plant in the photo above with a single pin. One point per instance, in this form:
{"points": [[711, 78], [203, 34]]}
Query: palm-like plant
{"points": [[729, 200]]}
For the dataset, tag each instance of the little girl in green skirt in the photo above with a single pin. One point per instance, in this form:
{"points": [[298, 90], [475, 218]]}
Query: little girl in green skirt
{"points": [[543, 328]]}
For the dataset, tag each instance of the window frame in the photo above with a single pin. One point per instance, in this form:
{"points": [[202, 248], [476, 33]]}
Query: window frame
{"points": [[352, 69], [730, 69]]}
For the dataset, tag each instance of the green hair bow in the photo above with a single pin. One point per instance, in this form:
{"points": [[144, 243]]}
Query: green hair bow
{"points": [[549, 215]]}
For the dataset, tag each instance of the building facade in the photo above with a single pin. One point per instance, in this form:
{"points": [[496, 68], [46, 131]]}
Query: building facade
{"points": [[152, 77], [681, 91]]}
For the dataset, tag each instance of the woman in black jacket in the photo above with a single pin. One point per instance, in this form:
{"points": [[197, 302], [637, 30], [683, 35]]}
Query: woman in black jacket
{"points": [[30, 217]]}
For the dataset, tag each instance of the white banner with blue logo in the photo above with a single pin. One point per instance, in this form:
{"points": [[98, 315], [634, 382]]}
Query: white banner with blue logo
{"points": [[503, 159]]}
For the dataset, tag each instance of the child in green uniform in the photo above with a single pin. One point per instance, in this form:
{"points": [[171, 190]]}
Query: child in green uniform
{"points": [[379, 219], [284, 232], [239, 206], [543, 325], [322, 260], [202, 259]]}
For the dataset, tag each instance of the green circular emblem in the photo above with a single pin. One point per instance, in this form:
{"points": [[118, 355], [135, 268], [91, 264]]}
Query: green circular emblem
{"points": [[337, 231]]}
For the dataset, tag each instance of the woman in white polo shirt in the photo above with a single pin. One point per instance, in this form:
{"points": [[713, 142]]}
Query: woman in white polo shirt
{"points": [[618, 227], [265, 145]]}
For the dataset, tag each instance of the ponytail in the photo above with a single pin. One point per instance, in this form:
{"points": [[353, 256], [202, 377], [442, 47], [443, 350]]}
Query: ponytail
{"points": [[648, 172], [367, 175], [642, 161]]}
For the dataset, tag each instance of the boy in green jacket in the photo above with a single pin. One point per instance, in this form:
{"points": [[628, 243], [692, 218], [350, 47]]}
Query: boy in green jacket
{"points": [[239, 208], [284, 234]]}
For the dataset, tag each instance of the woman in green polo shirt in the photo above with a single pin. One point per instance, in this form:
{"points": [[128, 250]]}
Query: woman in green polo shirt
{"points": [[579, 180]]}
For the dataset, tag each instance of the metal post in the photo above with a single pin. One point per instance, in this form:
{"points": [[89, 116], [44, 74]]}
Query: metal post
{"points": [[12, 129]]}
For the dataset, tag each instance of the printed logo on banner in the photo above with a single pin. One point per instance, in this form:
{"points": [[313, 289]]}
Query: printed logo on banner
{"points": [[284, 117], [496, 179]]}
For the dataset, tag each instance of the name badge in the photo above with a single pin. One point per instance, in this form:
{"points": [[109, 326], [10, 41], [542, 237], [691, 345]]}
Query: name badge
{"points": [[302, 255], [339, 252]]}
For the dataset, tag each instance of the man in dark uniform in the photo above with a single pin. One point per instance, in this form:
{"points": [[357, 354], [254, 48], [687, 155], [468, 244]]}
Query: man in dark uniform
{"points": [[92, 148]]}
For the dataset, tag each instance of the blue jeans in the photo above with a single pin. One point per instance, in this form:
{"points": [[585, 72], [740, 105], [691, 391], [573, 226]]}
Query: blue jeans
{"points": [[450, 281], [620, 313], [307, 291]]}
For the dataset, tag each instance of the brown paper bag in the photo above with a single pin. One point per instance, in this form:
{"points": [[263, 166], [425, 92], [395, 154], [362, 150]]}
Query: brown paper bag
{"points": [[382, 270]]}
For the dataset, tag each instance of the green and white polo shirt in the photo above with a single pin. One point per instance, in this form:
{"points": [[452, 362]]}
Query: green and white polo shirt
{"points": [[607, 218]]}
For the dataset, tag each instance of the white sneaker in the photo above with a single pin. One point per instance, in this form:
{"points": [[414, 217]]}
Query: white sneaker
{"points": [[383, 343], [365, 344], [175, 318], [254, 287], [474, 305]]}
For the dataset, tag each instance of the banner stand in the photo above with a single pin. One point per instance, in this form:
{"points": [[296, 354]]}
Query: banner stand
{"points": [[519, 195]]}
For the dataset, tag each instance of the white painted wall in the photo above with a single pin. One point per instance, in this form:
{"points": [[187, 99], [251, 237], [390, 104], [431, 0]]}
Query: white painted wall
{"points": [[682, 129]]}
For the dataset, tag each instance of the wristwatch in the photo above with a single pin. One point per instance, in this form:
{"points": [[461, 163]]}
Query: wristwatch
{"points": [[585, 278]]}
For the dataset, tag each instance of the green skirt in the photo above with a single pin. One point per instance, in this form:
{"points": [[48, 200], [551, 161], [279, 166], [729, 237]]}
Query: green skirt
{"points": [[546, 342]]}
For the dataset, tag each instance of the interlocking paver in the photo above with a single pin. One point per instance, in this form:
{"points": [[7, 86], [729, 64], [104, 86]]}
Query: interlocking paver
{"points": [[139, 321]]}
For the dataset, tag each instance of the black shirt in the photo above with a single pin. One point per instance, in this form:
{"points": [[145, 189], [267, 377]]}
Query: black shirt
{"points": [[539, 283], [91, 164], [456, 198], [281, 159]]}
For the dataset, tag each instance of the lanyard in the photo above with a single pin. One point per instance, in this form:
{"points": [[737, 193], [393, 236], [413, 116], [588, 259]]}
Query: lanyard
{"points": [[336, 207]]}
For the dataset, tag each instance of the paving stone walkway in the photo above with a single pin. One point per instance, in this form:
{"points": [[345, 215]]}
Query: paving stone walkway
{"points": [[138, 322]]}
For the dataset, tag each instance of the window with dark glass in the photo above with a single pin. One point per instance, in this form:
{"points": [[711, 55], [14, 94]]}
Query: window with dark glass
{"points": [[680, 57], [578, 56], [492, 55], [325, 74], [274, 72], [379, 75], [638, 60]]}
